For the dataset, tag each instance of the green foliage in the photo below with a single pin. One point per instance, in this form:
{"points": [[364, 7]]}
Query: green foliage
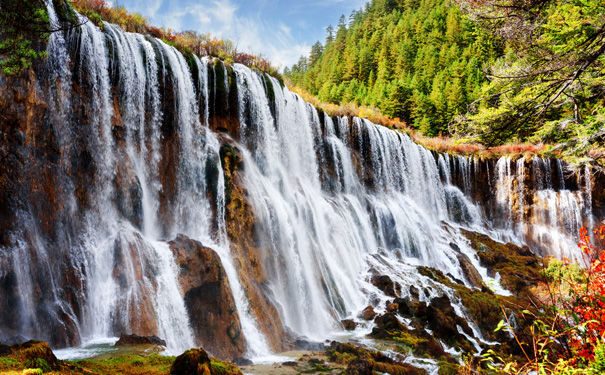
{"points": [[24, 25], [417, 61], [549, 85]]}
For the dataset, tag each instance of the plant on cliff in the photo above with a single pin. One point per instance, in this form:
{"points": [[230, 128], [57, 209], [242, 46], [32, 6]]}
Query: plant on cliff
{"points": [[567, 333], [23, 24]]}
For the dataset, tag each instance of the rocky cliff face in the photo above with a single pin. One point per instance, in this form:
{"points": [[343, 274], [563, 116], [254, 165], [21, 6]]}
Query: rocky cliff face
{"points": [[143, 191]]}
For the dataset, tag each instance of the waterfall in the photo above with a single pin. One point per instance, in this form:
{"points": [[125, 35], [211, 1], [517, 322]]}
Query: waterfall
{"points": [[334, 199]]}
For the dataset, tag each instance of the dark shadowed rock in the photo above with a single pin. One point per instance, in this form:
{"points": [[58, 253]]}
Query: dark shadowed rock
{"points": [[208, 298], [414, 292], [290, 364], [128, 340], [388, 322], [360, 366], [192, 362]]}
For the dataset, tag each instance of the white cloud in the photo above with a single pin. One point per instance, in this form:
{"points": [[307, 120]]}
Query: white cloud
{"points": [[250, 27]]}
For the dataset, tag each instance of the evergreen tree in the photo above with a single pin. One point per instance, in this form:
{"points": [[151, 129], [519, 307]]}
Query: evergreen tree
{"points": [[419, 61]]}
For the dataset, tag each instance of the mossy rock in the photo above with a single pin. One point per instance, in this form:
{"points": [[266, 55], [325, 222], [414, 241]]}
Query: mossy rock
{"points": [[446, 368], [218, 367], [192, 362]]}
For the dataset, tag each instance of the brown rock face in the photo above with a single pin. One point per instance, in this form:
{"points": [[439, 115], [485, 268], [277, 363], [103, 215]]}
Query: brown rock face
{"points": [[368, 313], [248, 254], [469, 271], [208, 298]]}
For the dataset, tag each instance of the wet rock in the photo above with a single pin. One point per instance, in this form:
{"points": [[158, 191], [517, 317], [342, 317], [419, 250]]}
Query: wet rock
{"points": [[455, 247], [443, 321], [129, 340], [388, 322], [290, 364], [469, 271], [392, 308], [349, 324], [360, 366], [386, 285], [136, 312], [301, 344], [249, 255], [316, 361], [208, 298], [241, 361], [414, 292], [368, 313], [192, 362]]}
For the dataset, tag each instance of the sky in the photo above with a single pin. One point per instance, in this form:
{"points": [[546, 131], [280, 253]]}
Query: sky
{"points": [[281, 30]]}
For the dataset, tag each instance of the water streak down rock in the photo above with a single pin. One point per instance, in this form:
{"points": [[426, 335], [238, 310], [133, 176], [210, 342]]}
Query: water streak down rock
{"points": [[118, 143]]}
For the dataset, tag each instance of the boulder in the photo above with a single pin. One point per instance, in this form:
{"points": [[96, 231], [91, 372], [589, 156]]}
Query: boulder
{"points": [[192, 362], [130, 340], [349, 324], [388, 322], [208, 298], [392, 307], [360, 366], [386, 285], [368, 313]]}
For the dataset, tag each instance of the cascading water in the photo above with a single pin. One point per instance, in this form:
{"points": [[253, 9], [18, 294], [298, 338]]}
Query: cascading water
{"points": [[334, 199]]}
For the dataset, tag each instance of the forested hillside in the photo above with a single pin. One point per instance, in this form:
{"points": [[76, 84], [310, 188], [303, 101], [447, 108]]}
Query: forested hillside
{"points": [[487, 71], [419, 60]]}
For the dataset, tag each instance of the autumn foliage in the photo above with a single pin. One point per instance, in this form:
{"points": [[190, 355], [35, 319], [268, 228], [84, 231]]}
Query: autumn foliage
{"points": [[185, 41], [589, 296], [564, 334]]}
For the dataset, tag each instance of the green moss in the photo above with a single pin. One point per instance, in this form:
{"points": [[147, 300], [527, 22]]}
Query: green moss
{"points": [[269, 88], [129, 365], [409, 340], [222, 368], [446, 368], [195, 70], [65, 11], [342, 358], [38, 363], [8, 363]]}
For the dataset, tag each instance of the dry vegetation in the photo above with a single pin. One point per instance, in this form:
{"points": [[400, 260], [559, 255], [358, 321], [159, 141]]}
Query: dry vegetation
{"points": [[439, 144]]}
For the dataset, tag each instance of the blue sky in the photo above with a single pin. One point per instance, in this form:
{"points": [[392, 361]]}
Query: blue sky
{"points": [[282, 30]]}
